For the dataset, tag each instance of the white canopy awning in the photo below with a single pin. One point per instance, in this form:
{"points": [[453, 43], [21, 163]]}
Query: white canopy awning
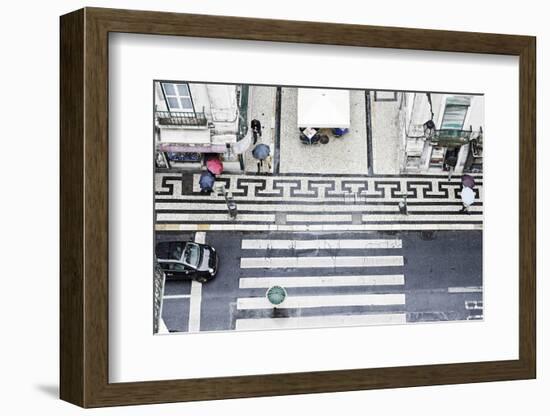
{"points": [[185, 136], [323, 108]]}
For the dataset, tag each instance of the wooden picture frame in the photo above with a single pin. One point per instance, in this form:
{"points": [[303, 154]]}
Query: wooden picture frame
{"points": [[84, 207]]}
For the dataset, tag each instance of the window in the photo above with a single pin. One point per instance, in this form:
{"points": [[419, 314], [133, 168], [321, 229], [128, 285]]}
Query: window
{"points": [[173, 267], [164, 266], [176, 250], [178, 97], [170, 250], [454, 116], [192, 255], [456, 108], [178, 267]]}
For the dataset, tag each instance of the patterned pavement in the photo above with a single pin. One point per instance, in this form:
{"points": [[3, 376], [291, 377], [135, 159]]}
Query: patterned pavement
{"points": [[316, 203]]}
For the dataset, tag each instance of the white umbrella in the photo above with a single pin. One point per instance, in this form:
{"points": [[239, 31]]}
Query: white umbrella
{"points": [[468, 196], [319, 107]]}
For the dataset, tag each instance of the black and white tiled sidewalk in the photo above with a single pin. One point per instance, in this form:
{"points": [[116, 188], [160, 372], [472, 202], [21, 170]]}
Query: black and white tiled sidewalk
{"points": [[316, 203]]}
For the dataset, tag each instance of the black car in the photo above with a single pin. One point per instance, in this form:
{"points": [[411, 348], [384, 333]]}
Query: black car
{"points": [[187, 260]]}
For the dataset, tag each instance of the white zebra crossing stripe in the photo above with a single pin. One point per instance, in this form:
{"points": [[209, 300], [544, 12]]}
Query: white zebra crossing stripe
{"points": [[176, 297], [324, 301], [163, 329], [313, 262], [321, 281], [467, 289], [319, 244], [320, 321], [195, 307], [196, 295]]}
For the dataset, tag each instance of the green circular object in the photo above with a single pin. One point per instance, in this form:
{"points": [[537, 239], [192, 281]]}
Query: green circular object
{"points": [[276, 295]]}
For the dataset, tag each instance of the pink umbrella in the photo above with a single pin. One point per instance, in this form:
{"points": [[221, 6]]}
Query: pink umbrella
{"points": [[214, 165]]}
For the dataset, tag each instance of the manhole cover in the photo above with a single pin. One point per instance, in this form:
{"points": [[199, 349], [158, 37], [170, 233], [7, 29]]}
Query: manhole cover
{"points": [[276, 295]]}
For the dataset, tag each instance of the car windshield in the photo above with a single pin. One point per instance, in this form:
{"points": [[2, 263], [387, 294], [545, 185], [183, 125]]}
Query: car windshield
{"points": [[192, 254]]}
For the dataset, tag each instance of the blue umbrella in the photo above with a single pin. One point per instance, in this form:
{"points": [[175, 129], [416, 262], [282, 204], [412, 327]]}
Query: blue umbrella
{"points": [[206, 181], [338, 132], [261, 151]]}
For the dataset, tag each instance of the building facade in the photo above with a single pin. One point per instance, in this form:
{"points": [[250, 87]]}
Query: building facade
{"points": [[192, 120], [442, 133]]}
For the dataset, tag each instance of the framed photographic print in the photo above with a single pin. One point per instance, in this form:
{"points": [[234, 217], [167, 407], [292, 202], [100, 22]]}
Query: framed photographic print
{"points": [[256, 207]]}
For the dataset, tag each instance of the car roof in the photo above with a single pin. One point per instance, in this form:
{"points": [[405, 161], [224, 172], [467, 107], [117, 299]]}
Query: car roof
{"points": [[170, 250]]}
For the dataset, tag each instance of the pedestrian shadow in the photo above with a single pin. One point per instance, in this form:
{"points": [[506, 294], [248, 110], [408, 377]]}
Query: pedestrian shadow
{"points": [[280, 313]]}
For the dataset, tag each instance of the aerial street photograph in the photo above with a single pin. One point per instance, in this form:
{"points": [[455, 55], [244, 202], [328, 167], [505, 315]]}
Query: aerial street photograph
{"points": [[284, 207]]}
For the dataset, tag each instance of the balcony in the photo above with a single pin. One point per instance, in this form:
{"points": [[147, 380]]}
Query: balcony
{"points": [[450, 138], [175, 119], [444, 137], [455, 138]]}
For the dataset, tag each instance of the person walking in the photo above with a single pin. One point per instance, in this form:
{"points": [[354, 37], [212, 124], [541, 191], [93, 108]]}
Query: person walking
{"points": [[467, 195], [260, 153], [206, 182], [265, 165], [256, 130]]}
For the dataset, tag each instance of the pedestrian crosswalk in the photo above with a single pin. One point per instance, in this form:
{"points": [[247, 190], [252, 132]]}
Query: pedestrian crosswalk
{"points": [[329, 282]]}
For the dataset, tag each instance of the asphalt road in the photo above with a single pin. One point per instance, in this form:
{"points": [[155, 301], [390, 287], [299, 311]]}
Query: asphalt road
{"points": [[441, 271]]}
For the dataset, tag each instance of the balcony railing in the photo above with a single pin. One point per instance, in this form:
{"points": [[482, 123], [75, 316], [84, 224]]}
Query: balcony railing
{"points": [[446, 137], [171, 118], [450, 137]]}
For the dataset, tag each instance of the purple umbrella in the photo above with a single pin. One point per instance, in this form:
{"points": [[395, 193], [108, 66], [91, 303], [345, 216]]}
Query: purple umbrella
{"points": [[468, 181]]}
